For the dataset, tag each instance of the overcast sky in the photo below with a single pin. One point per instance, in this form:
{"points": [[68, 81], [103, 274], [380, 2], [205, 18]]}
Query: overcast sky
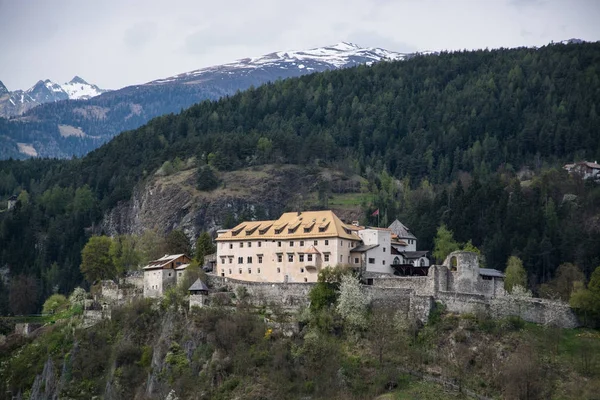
{"points": [[119, 43]]}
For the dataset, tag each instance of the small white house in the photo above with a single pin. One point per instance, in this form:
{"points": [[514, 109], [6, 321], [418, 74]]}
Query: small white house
{"points": [[163, 273]]}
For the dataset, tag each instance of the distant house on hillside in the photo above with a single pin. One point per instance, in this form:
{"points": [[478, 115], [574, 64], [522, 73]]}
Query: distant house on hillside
{"points": [[163, 273], [587, 169], [12, 202]]}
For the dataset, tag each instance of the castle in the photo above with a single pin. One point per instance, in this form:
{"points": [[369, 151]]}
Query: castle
{"points": [[277, 262], [295, 247]]}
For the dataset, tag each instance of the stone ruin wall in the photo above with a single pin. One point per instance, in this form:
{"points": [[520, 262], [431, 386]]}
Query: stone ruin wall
{"points": [[288, 295]]}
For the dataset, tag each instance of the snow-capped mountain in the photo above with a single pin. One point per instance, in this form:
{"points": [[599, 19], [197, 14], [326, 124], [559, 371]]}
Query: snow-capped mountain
{"points": [[78, 89], [48, 130], [285, 64], [19, 101]]}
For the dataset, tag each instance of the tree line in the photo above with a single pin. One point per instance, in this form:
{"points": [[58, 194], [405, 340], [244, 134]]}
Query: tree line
{"points": [[441, 139]]}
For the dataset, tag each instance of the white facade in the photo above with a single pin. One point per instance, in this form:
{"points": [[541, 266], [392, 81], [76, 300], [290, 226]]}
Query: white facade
{"points": [[163, 273], [156, 281], [286, 260], [377, 259]]}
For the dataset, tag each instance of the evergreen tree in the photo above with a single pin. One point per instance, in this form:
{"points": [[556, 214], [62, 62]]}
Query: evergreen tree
{"points": [[204, 247], [207, 179]]}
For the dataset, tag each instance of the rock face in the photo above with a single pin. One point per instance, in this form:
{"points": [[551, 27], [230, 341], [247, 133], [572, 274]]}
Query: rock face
{"points": [[173, 202]]}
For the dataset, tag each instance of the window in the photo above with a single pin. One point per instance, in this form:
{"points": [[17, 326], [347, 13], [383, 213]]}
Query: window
{"points": [[327, 242], [302, 270], [316, 243], [231, 245], [292, 243], [249, 244], [259, 244], [355, 260], [249, 259], [301, 257], [309, 257], [301, 243], [290, 258], [260, 260], [230, 260], [240, 260], [222, 260], [241, 244], [348, 259], [249, 270], [371, 261], [341, 258], [305, 279], [279, 258], [341, 243], [278, 244], [240, 270], [422, 262], [326, 257], [384, 249], [383, 262], [278, 270], [229, 271], [258, 271]]}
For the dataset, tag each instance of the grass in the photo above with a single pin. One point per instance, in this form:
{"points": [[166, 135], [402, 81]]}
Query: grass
{"points": [[348, 199]]}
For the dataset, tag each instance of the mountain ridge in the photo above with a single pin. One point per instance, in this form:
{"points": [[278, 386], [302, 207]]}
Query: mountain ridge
{"points": [[100, 118], [17, 102]]}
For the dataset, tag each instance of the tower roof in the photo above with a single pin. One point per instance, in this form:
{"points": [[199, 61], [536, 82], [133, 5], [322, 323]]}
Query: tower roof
{"points": [[401, 230]]}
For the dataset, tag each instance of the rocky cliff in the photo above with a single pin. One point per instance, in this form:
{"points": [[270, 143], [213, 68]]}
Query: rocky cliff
{"points": [[173, 202]]}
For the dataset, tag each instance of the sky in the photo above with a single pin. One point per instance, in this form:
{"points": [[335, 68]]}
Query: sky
{"points": [[119, 43]]}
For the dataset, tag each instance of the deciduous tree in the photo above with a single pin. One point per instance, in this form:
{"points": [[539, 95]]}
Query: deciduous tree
{"points": [[515, 274], [96, 262], [444, 243]]}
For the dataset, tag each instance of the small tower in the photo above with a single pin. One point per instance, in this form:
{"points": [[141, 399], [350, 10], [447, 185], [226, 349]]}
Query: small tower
{"points": [[464, 271], [198, 294], [12, 202]]}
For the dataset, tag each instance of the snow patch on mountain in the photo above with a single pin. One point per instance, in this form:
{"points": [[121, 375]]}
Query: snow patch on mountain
{"points": [[77, 89], [339, 55]]}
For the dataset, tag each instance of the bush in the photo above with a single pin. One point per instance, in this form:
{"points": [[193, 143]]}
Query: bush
{"points": [[54, 303], [513, 323]]}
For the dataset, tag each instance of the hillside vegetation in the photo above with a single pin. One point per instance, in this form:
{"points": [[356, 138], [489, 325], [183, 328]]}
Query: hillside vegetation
{"points": [[438, 139], [151, 351]]}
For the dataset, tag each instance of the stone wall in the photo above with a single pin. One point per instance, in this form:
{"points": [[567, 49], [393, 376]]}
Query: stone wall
{"points": [[539, 311], [415, 283], [461, 291], [288, 295], [134, 279], [26, 328], [115, 294], [92, 317]]}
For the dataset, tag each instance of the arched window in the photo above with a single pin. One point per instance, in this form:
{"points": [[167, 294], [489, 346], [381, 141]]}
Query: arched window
{"points": [[396, 260], [453, 264], [422, 262]]}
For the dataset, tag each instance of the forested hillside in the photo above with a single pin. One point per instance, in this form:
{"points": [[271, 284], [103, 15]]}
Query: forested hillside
{"points": [[440, 139]]}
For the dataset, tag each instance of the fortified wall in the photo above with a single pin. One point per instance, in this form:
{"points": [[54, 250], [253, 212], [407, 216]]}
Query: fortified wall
{"points": [[458, 283]]}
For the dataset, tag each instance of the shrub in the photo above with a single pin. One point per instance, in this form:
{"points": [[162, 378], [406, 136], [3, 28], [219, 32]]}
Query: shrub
{"points": [[54, 303]]}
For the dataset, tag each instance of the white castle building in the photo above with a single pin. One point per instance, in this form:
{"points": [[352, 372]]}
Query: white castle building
{"points": [[295, 247]]}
